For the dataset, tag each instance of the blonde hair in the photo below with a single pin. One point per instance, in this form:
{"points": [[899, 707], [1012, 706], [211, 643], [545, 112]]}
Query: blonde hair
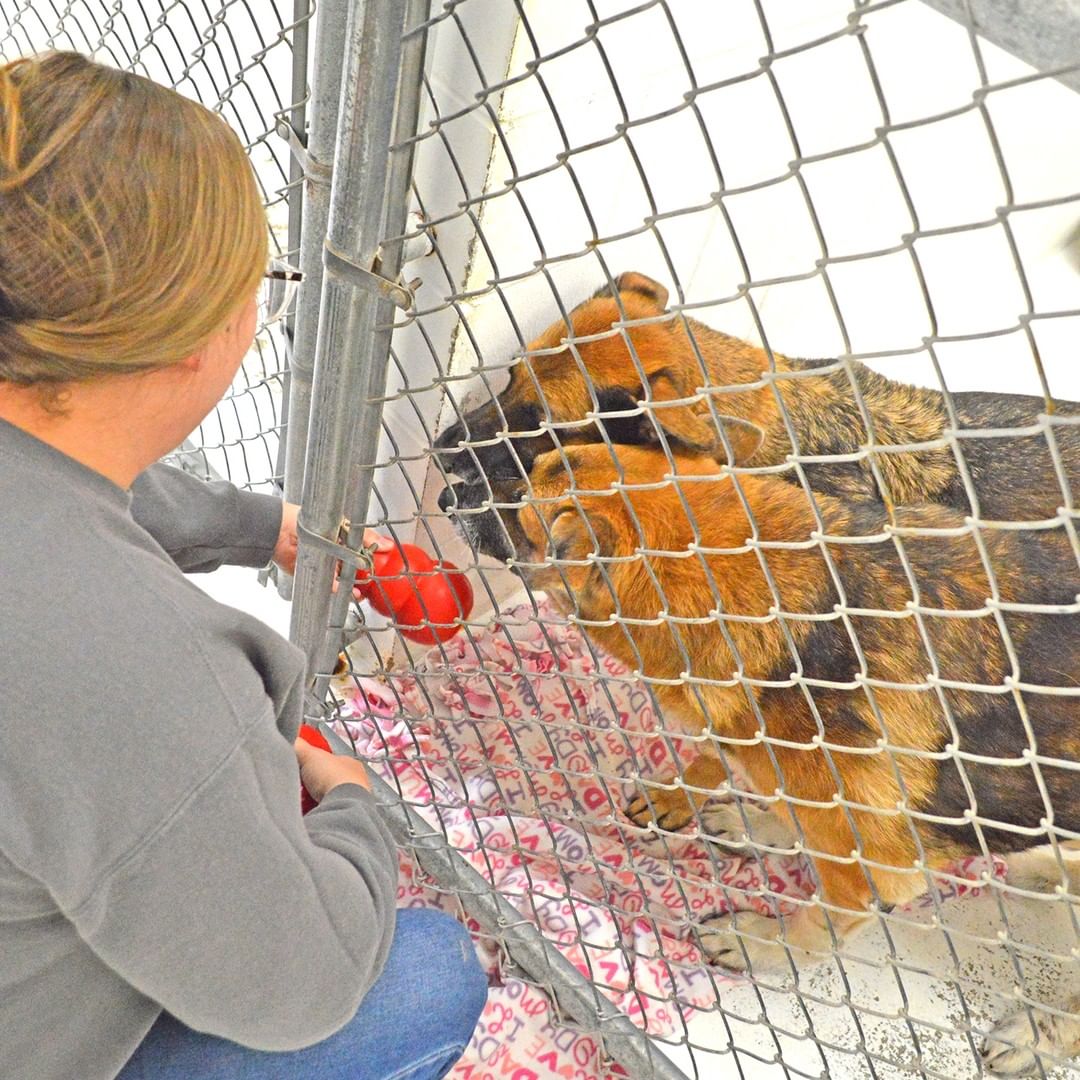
{"points": [[131, 225]]}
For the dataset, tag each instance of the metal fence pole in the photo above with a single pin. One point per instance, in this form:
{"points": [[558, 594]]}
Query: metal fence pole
{"points": [[297, 121], [372, 53], [1043, 33], [391, 257], [312, 158]]}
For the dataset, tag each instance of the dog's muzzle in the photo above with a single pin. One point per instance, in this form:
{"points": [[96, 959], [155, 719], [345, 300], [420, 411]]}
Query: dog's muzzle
{"points": [[484, 528]]}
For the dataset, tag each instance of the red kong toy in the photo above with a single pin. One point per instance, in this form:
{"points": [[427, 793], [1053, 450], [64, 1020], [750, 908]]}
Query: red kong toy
{"points": [[316, 738], [423, 597]]}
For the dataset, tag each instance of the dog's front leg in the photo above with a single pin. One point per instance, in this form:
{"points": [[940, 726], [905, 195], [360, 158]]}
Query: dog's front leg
{"points": [[1015, 1044], [747, 941], [673, 803]]}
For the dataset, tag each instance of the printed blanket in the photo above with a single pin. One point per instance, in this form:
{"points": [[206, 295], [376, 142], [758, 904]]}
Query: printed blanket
{"points": [[520, 743]]}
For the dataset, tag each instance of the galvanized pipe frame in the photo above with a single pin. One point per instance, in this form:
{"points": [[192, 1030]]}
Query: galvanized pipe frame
{"points": [[1043, 33], [372, 57], [952, 437], [312, 157]]}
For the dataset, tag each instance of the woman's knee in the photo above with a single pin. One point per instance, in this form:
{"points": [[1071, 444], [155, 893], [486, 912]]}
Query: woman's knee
{"points": [[433, 965]]}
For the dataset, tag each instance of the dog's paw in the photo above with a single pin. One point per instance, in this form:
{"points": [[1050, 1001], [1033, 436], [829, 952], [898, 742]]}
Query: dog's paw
{"points": [[1014, 1047], [743, 941], [668, 808], [1038, 870], [726, 823]]}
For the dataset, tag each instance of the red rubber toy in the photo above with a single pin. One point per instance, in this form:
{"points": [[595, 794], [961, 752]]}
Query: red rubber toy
{"points": [[423, 597], [316, 738]]}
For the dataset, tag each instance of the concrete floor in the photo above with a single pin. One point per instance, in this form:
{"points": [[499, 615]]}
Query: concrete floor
{"points": [[942, 997]]}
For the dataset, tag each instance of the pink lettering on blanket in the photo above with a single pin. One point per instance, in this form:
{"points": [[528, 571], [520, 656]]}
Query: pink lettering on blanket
{"points": [[520, 742]]}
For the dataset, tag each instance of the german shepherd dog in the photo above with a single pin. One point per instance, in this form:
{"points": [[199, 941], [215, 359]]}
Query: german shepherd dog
{"points": [[928, 719], [626, 371], [605, 452]]}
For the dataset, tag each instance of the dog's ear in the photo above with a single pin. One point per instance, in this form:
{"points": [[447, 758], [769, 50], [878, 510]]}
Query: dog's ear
{"points": [[744, 438], [687, 426], [634, 282], [690, 425], [578, 531]]}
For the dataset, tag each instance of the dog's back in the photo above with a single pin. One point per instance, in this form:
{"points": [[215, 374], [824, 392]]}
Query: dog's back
{"points": [[1014, 477]]}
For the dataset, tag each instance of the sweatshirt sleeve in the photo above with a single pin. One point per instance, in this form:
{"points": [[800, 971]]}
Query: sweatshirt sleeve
{"points": [[245, 920], [205, 524]]}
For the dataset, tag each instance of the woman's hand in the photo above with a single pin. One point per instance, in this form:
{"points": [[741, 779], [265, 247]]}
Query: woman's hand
{"points": [[321, 772], [285, 550]]}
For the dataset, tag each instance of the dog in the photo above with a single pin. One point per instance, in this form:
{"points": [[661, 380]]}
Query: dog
{"points": [[879, 749], [626, 372]]}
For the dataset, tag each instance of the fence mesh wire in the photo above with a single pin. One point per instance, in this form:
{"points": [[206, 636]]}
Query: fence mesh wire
{"points": [[238, 58], [870, 183], [862, 182]]}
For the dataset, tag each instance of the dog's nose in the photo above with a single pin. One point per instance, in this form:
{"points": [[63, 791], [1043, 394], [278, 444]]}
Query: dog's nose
{"points": [[449, 497], [448, 440]]}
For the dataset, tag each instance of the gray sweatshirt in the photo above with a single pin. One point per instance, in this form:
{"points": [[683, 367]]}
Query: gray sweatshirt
{"points": [[152, 852]]}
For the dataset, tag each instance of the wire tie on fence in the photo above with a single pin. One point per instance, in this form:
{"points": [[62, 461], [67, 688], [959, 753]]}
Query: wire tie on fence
{"points": [[341, 266]]}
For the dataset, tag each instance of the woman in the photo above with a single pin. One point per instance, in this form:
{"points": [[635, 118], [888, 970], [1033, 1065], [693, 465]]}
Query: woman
{"points": [[164, 909]]}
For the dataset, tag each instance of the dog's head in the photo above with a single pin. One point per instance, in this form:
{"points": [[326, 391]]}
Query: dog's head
{"points": [[620, 373], [571, 505]]}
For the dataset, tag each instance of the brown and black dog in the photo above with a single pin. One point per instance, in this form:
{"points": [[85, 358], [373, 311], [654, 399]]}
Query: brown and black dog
{"points": [[585, 381], [926, 720]]}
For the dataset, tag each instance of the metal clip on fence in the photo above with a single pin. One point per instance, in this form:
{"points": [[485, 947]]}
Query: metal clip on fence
{"points": [[360, 559], [338, 265]]}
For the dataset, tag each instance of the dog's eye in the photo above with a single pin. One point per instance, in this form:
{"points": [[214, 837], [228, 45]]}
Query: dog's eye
{"points": [[631, 430], [524, 418], [612, 399]]}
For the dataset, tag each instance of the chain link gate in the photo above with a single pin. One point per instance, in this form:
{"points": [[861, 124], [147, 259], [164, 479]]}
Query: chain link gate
{"points": [[536, 142], [534, 164]]}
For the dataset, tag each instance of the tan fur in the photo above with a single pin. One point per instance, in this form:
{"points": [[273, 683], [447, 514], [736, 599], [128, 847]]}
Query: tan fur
{"points": [[651, 593]]}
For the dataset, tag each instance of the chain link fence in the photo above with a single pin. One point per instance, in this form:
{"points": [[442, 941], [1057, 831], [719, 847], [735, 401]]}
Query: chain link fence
{"points": [[873, 185]]}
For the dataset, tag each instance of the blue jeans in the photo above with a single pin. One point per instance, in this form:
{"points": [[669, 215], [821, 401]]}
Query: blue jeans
{"points": [[414, 1023]]}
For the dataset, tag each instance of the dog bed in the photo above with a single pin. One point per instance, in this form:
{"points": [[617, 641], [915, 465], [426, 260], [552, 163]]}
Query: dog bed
{"points": [[520, 743]]}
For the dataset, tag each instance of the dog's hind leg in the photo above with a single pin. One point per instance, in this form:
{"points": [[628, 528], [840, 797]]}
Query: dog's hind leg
{"points": [[1014, 1046]]}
